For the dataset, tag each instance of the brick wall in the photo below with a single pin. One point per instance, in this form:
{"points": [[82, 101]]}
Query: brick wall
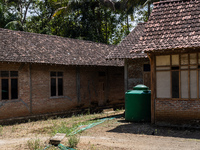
{"points": [[177, 111], [91, 90], [101, 86], [135, 72], [42, 101], [20, 107]]}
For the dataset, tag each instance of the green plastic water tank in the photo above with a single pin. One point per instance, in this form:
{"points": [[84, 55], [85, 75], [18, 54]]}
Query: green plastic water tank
{"points": [[138, 104]]}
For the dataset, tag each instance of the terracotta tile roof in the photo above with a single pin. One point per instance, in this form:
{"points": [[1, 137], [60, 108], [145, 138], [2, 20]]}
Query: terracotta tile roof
{"points": [[18, 46], [124, 48], [173, 24]]}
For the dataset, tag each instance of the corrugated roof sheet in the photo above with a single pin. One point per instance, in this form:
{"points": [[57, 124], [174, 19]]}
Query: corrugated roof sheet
{"points": [[18, 46], [173, 24]]}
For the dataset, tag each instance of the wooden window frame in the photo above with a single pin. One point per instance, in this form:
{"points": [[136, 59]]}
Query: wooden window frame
{"points": [[197, 69], [9, 85], [57, 77]]}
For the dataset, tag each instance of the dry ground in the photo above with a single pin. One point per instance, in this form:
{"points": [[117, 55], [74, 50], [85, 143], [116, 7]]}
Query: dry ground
{"points": [[115, 134]]}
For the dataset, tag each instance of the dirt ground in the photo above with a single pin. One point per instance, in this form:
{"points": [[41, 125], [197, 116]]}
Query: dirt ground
{"points": [[116, 134]]}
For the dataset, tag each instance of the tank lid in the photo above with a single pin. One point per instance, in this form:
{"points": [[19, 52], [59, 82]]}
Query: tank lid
{"points": [[140, 87]]}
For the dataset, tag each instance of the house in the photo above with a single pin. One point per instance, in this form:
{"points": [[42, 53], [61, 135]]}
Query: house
{"points": [[171, 40], [43, 74], [136, 65]]}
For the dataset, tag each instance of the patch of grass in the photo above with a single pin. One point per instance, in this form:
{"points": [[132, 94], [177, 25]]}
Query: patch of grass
{"points": [[73, 141], [63, 128], [14, 128], [92, 147], [34, 144], [1, 130]]}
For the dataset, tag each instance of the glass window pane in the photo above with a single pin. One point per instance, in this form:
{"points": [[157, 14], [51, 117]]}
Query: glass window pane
{"points": [[193, 67], [184, 84], [146, 67], [193, 59], [163, 84], [184, 67], [14, 89], [14, 73], [175, 84], [4, 73], [53, 74], [184, 59], [163, 68], [60, 74], [193, 84], [60, 86], [4, 92], [175, 59], [163, 60], [53, 86]]}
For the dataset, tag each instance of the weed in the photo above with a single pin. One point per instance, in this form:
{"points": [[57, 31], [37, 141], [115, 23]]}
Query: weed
{"points": [[13, 128], [156, 132], [117, 110], [34, 144], [73, 141], [92, 147], [1, 130]]}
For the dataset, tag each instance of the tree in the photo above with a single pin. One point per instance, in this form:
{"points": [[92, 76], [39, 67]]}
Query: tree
{"points": [[105, 21], [15, 13]]}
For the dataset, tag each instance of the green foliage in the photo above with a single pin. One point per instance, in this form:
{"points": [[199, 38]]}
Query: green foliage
{"points": [[94, 20], [1, 130], [73, 141], [34, 144], [63, 128], [14, 25]]}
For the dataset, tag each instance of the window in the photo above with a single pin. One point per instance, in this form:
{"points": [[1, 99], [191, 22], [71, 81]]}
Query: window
{"points": [[180, 73], [146, 68], [56, 83], [102, 74], [9, 85]]}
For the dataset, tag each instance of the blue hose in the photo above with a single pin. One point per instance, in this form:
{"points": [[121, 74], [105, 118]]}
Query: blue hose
{"points": [[62, 147]]}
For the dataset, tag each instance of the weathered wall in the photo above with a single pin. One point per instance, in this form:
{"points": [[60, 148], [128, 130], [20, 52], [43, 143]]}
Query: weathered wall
{"points": [[20, 107], [177, 111], [95, 89], [101, 86], [42, 101], [135, 72]]}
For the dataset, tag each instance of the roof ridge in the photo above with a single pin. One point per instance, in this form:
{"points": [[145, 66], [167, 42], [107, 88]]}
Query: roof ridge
{"points": [[52, 36], [171, 1]]}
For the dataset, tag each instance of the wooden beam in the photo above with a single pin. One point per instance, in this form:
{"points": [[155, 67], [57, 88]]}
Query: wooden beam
{"points": [[30, 82], [78, 84], [55, 140], [197, 76], [153, 87], [189, 77], [125, 75], [179, 56]]}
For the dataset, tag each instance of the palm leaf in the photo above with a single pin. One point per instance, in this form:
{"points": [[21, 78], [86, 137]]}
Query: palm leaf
{"points": [[14, 25]]}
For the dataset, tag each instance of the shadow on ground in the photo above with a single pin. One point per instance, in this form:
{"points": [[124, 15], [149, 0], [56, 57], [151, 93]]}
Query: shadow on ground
{"points": [[144, 128]]}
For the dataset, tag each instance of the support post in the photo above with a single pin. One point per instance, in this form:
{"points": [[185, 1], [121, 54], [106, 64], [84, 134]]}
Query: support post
{"points": [[153, 87], [78, 85], [125, 75], [30, 82]]}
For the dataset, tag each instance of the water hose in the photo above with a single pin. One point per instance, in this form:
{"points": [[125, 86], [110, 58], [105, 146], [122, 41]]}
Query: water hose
{"points": [[62, 147], [89, 126]]}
